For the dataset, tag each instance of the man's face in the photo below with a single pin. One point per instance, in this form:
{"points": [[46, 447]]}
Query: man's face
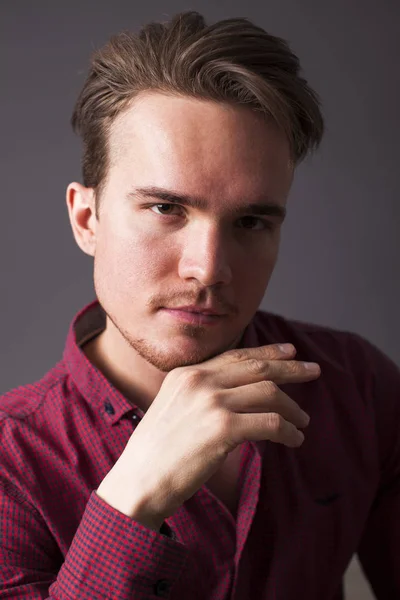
{"points": [[151, 254]]}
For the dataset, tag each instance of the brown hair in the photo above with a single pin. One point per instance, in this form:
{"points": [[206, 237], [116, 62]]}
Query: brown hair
{"points": [[232, 61]]}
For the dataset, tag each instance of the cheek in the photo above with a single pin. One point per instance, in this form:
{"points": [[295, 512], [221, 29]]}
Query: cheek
{"points": [[256, 261], [133, 261], [253, 280], [256, 270]]}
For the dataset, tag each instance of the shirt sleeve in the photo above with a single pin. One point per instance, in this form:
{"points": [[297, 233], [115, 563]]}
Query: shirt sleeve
{"points": [[379, 548], [111, 556]]}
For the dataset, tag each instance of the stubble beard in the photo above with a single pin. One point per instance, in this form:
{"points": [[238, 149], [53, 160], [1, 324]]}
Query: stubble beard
{"points": [[166, 360]]}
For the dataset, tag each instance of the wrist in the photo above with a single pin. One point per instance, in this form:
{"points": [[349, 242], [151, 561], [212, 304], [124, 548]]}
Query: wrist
{"points": [[132, 504]]}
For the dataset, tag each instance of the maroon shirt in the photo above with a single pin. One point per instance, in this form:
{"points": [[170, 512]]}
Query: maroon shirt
{"points": [[302, 514]]}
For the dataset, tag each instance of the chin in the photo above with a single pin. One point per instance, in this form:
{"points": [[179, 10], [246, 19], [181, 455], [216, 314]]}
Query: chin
{"points": [[166, 360]]}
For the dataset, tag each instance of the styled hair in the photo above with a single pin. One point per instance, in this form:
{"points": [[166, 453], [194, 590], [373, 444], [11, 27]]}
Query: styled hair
{"points": [[232, 61]]}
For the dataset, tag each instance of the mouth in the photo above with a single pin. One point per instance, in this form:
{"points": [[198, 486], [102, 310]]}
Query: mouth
{"points": [[194, 316]]}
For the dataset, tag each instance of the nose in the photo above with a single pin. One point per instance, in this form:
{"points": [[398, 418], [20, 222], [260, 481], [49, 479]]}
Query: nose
{"points": [[204, 256]]}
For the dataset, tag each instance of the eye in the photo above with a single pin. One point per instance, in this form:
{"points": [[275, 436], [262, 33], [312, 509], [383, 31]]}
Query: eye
{"points": [[164, 207], [250, 221]]}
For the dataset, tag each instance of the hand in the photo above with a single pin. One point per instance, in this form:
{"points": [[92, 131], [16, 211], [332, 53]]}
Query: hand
{"points": [[201, 413]]}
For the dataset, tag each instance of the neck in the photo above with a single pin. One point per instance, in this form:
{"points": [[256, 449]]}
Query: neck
{"points": [[130, 374]]}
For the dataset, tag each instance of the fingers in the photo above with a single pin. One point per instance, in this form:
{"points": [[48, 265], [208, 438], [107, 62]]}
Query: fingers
{"points": [[264, 397], [292, 371], [269, 426], [266, 352], [240, 373]]}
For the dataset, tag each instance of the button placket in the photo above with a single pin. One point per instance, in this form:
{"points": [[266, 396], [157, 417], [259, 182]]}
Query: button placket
{"points": [[108, 407]]}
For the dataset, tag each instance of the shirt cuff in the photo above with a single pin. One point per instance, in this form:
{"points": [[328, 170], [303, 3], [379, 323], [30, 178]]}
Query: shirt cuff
{"points": [[114, 556]]}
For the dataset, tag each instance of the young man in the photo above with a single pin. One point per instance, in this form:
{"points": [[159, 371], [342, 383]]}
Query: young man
{"points": [[163, 456]]}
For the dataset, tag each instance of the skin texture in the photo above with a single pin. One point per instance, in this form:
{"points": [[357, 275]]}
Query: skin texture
{"points": [[147, 257]]}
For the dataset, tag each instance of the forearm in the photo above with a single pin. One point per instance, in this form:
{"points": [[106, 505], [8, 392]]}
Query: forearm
{"points": [[110, 556]]}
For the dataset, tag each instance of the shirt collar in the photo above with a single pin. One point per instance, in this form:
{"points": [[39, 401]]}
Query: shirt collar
{"points": [[91, 382]]}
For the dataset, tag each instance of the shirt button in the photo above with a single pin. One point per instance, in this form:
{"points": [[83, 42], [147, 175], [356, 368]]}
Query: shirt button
{"points": [[135, 418], [162, 588], [108, 407]]}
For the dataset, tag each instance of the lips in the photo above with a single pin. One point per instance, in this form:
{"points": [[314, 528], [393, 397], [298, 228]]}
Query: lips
{"points": [[194, 317], [197, 310]]}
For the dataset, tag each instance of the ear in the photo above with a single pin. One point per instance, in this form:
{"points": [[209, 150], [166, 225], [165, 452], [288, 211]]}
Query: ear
{"points": [[81, 209]]}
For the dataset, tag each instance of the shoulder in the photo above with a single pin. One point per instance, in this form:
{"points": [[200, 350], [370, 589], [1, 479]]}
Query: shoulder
{"points": [[31, 418], [331, 342], [339, 348], [22, 402]]}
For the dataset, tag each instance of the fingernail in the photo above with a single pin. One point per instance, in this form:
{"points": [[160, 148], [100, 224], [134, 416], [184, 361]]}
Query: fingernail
{"points": [[311, 366], [286, 348]]}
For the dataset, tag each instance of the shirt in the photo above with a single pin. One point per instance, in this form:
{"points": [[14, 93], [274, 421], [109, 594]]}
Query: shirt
{"points": [[303, 512]]}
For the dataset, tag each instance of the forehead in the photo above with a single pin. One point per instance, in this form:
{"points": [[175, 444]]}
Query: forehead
{"points": [[199, 145]]}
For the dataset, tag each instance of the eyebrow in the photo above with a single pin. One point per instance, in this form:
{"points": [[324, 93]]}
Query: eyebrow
{"points": [[268, 208]]}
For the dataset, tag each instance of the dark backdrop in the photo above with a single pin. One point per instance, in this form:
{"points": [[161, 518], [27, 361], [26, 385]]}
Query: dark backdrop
{"points": [[340, 256]]}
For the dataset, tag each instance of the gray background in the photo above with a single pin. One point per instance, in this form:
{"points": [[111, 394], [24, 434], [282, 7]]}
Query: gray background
{"points": [[339, 263]]}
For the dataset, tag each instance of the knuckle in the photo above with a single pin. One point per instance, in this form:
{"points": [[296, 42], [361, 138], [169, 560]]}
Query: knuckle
{"points": [[297, 367], [216, 398], [191, 376], [292, 367], [255, 366], [269, 387], [275, 422], [237, 354]]}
